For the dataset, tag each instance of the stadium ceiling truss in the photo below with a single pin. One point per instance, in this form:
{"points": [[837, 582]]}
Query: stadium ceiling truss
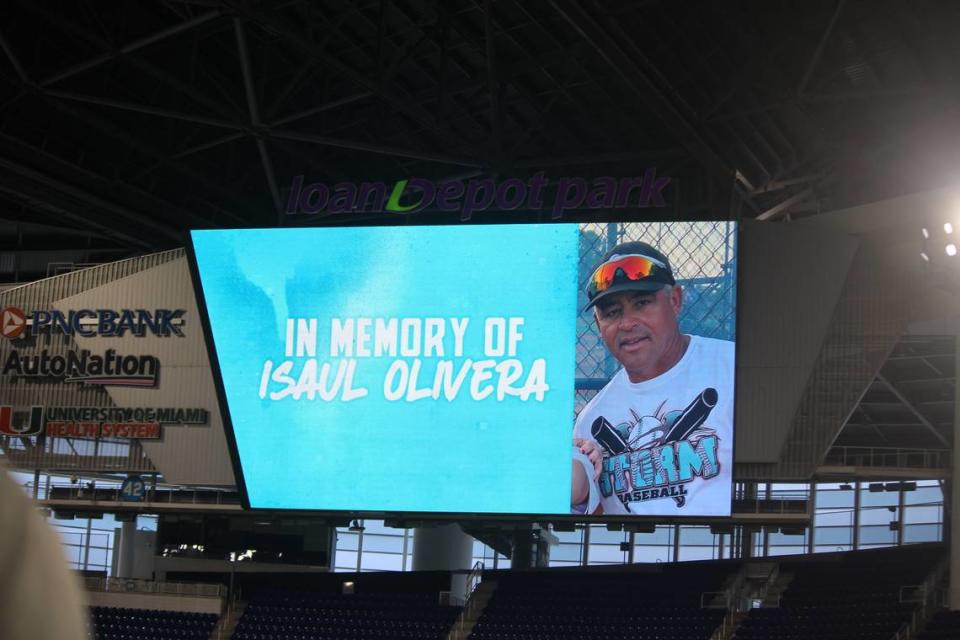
{"points": [[133, 121], [910, 403], [124, 124]]}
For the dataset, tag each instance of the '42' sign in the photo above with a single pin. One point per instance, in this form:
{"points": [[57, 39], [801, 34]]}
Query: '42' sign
{"points": [[133, 489]]}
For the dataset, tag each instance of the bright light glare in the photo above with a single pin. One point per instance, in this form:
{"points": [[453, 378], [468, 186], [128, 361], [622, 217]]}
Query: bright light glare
{"points": [[925, 257], [951, 249], [948, 227], [926, 234]]}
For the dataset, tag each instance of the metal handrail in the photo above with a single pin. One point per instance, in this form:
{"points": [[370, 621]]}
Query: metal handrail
{"points": [[713, 599], [160, 494], [474, 578], [912, 593], [769, 582], [888, 457], [771, 506], [929, 601]]}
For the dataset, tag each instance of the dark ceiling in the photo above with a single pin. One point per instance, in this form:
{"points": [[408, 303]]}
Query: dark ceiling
{"points": [[124, 123]]}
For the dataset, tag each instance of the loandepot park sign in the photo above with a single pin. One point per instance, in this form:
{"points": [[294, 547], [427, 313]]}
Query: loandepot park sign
{"points": [[478, 194]]}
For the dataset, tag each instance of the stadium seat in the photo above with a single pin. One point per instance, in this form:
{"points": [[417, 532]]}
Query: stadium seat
{"points": [[112, 623], [604, 604], [286, 615], [851, 596]]}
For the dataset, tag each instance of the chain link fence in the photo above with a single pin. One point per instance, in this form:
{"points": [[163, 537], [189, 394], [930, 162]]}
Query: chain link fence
{"points": [[704, 260]]}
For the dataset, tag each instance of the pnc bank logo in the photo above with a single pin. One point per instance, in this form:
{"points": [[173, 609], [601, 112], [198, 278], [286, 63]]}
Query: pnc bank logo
{"points": [[89, 323], [13, 322]]}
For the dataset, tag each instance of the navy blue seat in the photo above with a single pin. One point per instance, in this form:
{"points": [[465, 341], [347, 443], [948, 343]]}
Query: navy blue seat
{"points": [[111, 623]]}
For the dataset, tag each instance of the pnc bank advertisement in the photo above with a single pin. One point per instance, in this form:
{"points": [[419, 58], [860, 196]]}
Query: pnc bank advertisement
{"points": [[562, 369]]}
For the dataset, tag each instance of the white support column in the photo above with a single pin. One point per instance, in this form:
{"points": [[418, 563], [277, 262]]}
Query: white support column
{"points": [[901, 512], [444, 548], [856, 515], [812, 537], [360, 547], [128, 534], [585, 546], [765, 530]]}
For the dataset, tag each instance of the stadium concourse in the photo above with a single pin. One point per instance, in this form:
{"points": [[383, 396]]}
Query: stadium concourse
{"points": [[348, 320]]}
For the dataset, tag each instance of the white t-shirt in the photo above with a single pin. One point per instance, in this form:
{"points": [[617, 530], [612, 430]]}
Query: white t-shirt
{"points": [[667, 442]]}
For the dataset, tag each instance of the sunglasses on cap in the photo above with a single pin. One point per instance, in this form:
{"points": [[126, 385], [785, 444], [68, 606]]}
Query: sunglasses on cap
{"points": [[631, 268]]}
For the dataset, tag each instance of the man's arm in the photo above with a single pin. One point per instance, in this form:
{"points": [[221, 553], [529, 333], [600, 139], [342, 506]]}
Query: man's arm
{"points": [[581, 484], [587, 464]]}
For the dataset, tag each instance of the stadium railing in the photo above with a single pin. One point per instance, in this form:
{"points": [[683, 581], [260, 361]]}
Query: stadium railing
{"points": [[132, 585], [790, 502], [469, 614], [751, 582], [474, 578], [928, 598], [888, 457], [168, 495]]}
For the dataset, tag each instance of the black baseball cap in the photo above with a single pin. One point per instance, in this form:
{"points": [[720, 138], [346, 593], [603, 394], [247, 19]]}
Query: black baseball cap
{"points": [[629, 266]]}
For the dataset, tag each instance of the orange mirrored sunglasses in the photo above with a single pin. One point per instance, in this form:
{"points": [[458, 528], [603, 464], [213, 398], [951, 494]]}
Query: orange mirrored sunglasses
{"points": [[632, 267]]}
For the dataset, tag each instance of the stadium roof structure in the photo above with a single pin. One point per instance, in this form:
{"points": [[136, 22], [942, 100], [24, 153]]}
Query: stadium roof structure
{"points": [[133, 121], [124, 124]]}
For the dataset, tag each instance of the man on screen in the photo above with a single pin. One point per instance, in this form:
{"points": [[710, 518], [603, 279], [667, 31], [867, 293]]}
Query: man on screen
{"points": [[659, 436]]}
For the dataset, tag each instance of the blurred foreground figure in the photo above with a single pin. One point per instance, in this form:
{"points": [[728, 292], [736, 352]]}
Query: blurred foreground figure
{"points": [[40, 599]]}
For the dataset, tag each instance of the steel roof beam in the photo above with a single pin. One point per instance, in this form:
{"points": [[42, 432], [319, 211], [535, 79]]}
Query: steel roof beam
{"points": [[375, 148], [821, 45], [14, 60], [26, 154], [643, 86], [916, 412], [327, 106], [144, 109], [493, 84], [140, 43], [281, 28], [781, 208], [511, 75], [465, 111], [113, 131], [243, 53], [58, 211], [94, 40]]}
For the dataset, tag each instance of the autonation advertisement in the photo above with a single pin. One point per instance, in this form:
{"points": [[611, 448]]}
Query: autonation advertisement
{"points": [[563, 369]]}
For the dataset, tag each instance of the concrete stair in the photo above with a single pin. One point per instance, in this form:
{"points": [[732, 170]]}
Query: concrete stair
{"points": [[228, 622], [472, 610], [729, 626], [772, 599]]}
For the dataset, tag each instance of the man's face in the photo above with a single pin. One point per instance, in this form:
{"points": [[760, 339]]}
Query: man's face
{"points": [[640, 330]]}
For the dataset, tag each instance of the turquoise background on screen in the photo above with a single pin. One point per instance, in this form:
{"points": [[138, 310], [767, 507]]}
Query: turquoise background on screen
{"points": [[370, 454]]}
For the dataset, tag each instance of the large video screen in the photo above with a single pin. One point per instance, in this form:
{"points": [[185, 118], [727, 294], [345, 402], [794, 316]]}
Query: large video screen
{"points": [[528, 369]]}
